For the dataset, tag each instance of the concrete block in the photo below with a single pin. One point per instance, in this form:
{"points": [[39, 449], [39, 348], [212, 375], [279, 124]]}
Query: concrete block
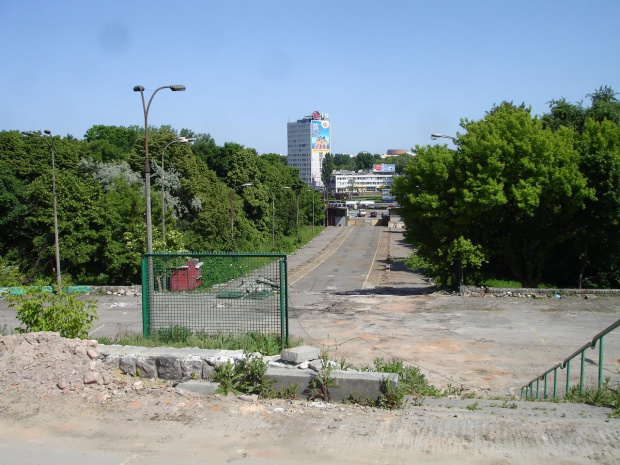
{"points": [[286, 377], [199, 386], [362, 384], [300, 354]]}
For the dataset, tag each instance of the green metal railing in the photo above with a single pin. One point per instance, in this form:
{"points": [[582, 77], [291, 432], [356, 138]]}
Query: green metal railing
{"points": [[215, 293], [566, 363]]}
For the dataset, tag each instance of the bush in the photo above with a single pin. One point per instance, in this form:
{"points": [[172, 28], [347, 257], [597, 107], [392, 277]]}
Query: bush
{"points": [[40, 310]]}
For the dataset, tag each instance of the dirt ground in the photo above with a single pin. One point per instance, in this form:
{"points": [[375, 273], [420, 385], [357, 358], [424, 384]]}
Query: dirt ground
{"points": [[60, 404]]}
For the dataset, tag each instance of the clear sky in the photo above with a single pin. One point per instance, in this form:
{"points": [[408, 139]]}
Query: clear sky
{"points": [[388, 72]]}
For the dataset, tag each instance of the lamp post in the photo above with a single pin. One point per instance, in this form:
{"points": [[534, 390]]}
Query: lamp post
{"points": [[458, 264], [178, 140], [50, 144], [436, 136], [232, 214], [273, 218], [312, 190], [147, 169]]}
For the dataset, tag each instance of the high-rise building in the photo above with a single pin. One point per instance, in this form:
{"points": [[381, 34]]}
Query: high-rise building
{"points": [[309, 141]]}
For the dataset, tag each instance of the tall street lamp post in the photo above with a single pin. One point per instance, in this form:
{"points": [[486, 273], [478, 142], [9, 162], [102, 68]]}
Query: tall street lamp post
{"points": [[273, 218], [312, 190], [178, 140], [50, 144], [232, 214], [147, 169], [458, 264]]}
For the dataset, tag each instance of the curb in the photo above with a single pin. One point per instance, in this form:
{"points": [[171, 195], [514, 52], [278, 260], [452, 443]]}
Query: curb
{"points": [[194, 368]]}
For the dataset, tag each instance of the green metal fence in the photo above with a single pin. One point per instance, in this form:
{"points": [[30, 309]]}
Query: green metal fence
{"points": [[532, 389], [215, 293]]}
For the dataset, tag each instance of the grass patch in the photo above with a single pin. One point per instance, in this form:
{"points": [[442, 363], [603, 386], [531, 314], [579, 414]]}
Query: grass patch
{"points": [[178, 336], [605, 396]]}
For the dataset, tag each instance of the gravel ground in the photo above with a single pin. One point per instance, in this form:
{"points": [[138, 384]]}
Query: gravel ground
{"points": [[60, 404]]}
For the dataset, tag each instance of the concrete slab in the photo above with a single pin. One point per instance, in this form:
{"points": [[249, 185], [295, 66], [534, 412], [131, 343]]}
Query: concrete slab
{"points": [[300, 354]]}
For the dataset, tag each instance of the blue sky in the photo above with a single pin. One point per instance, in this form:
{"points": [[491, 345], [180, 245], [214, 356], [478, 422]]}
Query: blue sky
{"points": [[388, 73]]}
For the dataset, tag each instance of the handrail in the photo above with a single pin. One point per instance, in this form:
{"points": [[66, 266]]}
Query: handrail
{"points": [[566, 363]]}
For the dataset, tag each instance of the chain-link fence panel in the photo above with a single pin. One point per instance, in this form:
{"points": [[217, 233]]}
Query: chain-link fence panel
{"points": [[215, 293]]}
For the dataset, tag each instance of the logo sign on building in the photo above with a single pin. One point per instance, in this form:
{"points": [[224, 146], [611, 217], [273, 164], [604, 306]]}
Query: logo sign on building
{"points": [[384, 168], [320, 136]]}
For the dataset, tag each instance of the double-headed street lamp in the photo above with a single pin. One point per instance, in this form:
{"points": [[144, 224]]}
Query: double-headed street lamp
{"points": [[178, 140], [436, 136], [50, 144], [147, 168], [273, 217], [232, 214]]}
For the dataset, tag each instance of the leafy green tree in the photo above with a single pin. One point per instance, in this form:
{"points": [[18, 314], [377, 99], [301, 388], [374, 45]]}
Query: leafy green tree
{"points": [[343, 162], [518, 188], [598, 225], [364, 161], [326, 171]]}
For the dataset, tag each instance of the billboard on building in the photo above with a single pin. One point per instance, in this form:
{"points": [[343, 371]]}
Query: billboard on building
{"points": [[384, 168], [320, 136]]}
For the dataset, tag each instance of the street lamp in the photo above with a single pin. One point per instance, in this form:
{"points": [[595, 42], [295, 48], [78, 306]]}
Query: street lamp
{"points": [[273, 218], [147, 169], [50, 144], [232, 214], [312, 190], [178, 140], [436, 136]]}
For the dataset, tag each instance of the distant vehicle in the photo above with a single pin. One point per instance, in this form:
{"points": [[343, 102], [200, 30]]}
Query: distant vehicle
{"points": [[373, 214], [361, 212]]}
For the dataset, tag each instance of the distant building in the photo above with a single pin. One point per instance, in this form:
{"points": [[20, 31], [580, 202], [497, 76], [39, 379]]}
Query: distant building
{"points": [[308, 141], [363, 181]]}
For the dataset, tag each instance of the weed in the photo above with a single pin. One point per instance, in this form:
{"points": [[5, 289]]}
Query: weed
{"points": [[606, 395], [343, 365], [473, 407], [323, 381], [247, 376], [413, 381], [392, 395]]}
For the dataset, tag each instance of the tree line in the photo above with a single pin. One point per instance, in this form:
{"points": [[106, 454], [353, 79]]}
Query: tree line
{"points": [[101, 201], [517, 196]]}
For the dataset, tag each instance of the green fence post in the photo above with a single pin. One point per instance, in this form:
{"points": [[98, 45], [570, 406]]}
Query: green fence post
{"points": [[537, 386], [283, 333], [145, 299], [555, 383], [545, 388], [568, 377], [583, 371], [600, 364]]}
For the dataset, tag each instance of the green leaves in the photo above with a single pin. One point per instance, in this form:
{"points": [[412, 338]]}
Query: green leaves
{"points": [[39, 310]]}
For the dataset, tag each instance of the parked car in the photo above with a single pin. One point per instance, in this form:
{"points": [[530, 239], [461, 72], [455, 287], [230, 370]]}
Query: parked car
{"points": [[361, 212], [373, 214]]}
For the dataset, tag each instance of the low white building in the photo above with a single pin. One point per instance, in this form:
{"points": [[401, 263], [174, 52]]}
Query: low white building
{"points": [[361, 181]]}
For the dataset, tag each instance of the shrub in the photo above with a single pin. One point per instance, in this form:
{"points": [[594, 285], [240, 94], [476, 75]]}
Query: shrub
{"points": [[40, 310]]}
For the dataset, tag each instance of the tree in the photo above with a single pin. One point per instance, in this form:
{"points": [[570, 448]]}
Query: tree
{"points": [[326, 172], [364, 161], [517, 189]]}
